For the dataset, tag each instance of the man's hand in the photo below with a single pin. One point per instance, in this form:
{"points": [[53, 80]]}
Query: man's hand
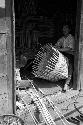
{"points": [[65, 49], [57, 47]]}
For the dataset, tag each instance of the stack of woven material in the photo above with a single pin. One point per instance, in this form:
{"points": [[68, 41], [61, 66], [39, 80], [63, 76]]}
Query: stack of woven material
{"points": [[50, 64]]}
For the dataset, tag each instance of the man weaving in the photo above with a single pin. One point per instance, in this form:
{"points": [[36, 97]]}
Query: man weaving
{"points": [[65, 45]]}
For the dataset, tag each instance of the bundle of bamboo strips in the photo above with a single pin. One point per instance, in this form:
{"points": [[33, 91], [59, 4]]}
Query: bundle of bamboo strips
{"points": [[50, 64], [38, 100], [41, 106], [63, 97]]}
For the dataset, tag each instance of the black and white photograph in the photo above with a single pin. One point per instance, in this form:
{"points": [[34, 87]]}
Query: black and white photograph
{"points": [[41, 62]]}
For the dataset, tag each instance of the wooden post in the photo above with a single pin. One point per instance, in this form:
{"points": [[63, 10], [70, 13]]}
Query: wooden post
{"points": [[77, 50], [6, 58], [80, 45]]}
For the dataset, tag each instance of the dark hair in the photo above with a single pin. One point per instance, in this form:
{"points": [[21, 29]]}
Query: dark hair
{"points": [[67, 24]]}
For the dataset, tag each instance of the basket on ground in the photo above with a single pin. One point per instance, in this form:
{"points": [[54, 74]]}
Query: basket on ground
{"points": [[50, 64]]}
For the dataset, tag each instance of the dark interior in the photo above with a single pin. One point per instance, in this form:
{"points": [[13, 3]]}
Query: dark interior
{"points": [[38, 22], [43, 19]]}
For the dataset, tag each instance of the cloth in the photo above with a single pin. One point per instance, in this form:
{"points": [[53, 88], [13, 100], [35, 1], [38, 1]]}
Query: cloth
{"points": [[67, 42]]}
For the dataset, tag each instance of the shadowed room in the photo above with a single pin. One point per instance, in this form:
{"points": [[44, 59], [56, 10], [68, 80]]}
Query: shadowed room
{"points": [[36, 24]]}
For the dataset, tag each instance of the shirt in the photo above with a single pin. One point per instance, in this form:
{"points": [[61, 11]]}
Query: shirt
{"points": [[67, 42]]}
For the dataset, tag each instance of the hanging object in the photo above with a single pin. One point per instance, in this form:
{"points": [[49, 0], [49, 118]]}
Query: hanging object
{"points": [[50, 64]]}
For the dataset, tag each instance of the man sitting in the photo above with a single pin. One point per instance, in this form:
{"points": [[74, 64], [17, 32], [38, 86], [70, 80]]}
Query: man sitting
{"points": [[64, 45]]}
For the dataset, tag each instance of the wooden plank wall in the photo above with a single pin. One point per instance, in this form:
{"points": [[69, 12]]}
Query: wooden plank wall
{"points": [[6, 59]]}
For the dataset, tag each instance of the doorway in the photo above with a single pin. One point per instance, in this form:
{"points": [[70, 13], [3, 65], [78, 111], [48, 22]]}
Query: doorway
{"points": [[39, 22]]}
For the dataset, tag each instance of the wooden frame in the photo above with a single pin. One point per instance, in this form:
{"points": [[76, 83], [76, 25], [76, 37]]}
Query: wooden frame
{"points": [[10, 53], [76, 84], [7, 58]]}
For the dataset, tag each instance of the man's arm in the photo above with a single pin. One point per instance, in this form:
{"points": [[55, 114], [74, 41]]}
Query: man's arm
{"points": [[59, 43], [71, 42]]}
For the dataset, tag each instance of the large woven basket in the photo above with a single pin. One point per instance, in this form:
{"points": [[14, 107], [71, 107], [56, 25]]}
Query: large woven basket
{"points": [[50, 64]]}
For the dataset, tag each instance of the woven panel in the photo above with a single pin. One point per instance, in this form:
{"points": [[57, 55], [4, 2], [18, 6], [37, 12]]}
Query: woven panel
{"points": [[50, 64]]}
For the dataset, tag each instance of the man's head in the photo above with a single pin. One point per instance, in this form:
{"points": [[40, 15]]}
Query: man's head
{"points": [[66, 30]]}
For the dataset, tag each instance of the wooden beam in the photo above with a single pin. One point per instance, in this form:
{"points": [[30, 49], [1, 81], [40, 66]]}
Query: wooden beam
{"points": [[77, 50], [6, 59], [80, 46]]}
